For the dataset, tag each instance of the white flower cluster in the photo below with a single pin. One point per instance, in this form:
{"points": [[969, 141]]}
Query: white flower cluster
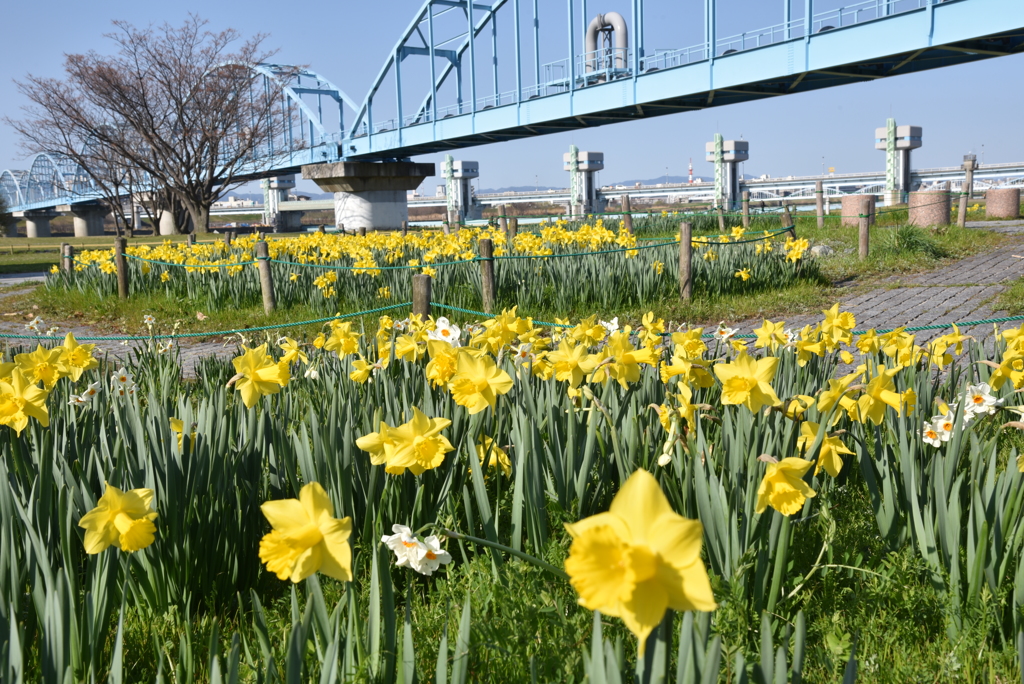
{"points": [[122, 383], [36, 325], [980, 402], [446, 331], [85, 397], [424, 556]]}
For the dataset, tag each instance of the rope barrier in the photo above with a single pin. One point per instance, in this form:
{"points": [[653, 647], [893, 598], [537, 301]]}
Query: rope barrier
{"points": [[140, 338], [375, 268]]}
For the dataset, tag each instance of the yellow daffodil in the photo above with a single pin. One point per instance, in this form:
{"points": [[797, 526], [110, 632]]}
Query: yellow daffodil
{"points": [[770, 335], [416, 445], [478, 382], [837, 328], [486, 448], [343, 341], [306, 537], [829, 457], [879, 393], [783, 487], [746, 381], [120, 519], [566, 360], [43, 365], [743, 274], [292, 351], [77, 358], [619, 360], [443, 362], [258, 374], [639, 559], [21, 399], [1011, 368]]}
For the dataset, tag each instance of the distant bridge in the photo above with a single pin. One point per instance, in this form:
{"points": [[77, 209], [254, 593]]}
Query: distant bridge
{"points": [[496, 90]]}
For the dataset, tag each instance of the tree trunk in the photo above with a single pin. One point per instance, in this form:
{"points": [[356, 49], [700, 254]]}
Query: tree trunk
{"points": [[199, 213]]}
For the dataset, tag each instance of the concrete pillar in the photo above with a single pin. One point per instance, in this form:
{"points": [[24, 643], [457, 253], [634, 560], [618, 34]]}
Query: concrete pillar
{"points": [[88, 219], [929, 208], [1002, 203], [852, 205], [37, 223], [583, 181], [168, 225], [369, 194], [275, 191]]}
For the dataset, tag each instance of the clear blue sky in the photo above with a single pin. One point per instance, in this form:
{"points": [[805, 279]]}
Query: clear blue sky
{"points": [[961, 108]]}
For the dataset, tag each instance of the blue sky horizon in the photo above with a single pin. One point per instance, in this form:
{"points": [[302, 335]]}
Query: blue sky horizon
{"points": [[968, 108]]}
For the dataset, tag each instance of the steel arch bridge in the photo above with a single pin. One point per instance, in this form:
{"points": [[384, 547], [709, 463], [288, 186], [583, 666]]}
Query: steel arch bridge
{"points": [[471, 72]]}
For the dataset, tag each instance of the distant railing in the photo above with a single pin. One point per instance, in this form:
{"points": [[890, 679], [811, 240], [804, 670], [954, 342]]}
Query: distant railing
{"points": [[749, 40], [667, 59], [868, 10]]}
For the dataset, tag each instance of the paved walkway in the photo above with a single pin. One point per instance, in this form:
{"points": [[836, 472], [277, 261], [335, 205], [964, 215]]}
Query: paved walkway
{"points": [[962, 291]]}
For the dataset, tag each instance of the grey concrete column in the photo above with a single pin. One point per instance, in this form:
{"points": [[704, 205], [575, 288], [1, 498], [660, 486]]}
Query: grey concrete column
{"points": [[369, 194], [37, 223], [11, 228], [88, 219]]}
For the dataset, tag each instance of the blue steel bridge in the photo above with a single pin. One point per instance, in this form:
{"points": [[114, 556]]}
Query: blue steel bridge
{"points": [[467, 73]]}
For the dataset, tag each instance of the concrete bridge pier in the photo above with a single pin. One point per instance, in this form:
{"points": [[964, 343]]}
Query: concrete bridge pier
{"points": [[88, 218], [10, 228], [583, 193], [275, 191], [37, 223], [372, 195]]}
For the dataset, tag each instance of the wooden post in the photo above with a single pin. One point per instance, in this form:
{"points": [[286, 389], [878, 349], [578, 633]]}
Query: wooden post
{"points": [[322, 229], [721, 218], [405, 228], [487, 274], [745, 201], [341, 229], [819, 202], [787, 222], [120, 245], [67, 256], [227, 238], [421, 294], [503, 218], [362, 231], [627, 218], [266, 277], [864, 225], [965, 193], [191, 240], [686, 260], [513, 229]]}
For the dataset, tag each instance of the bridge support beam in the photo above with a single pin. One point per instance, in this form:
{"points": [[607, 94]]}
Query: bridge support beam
{"points": [[88, 218], [37, 223], [368, 194]]}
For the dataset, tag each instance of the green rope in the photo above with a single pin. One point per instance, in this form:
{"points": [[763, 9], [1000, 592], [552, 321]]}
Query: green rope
{"points": [[936, 326], [375, 268], [169, 263], [138, 338]]}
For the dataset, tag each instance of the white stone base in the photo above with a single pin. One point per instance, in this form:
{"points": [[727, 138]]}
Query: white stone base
{"points": [[371, 209], [37, 227], [89, 224], [167, 226]]}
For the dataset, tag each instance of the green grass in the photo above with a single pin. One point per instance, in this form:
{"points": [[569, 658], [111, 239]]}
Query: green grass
{"points": [[1011, 299]]}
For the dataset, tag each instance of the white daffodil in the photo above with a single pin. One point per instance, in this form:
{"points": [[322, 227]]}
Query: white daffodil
{"points": [[432, 556], [164, 347], [122, 378], [945, 424], [312, 373], [78, 401], [524, 352], [664, 460], [791, 337], [35, 325], [91, 391], [404, 544], [932, 435], [52, 331], [400, 326], [149, 320], [446, 331], [723, 333], [980, 400], [611, 326]]}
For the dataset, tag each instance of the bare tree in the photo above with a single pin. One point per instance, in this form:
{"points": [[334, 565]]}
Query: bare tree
{"points": [[175, 106]]}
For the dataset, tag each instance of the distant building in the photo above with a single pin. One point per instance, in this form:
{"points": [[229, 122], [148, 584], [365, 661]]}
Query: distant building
{"points": [[233, 202]]}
